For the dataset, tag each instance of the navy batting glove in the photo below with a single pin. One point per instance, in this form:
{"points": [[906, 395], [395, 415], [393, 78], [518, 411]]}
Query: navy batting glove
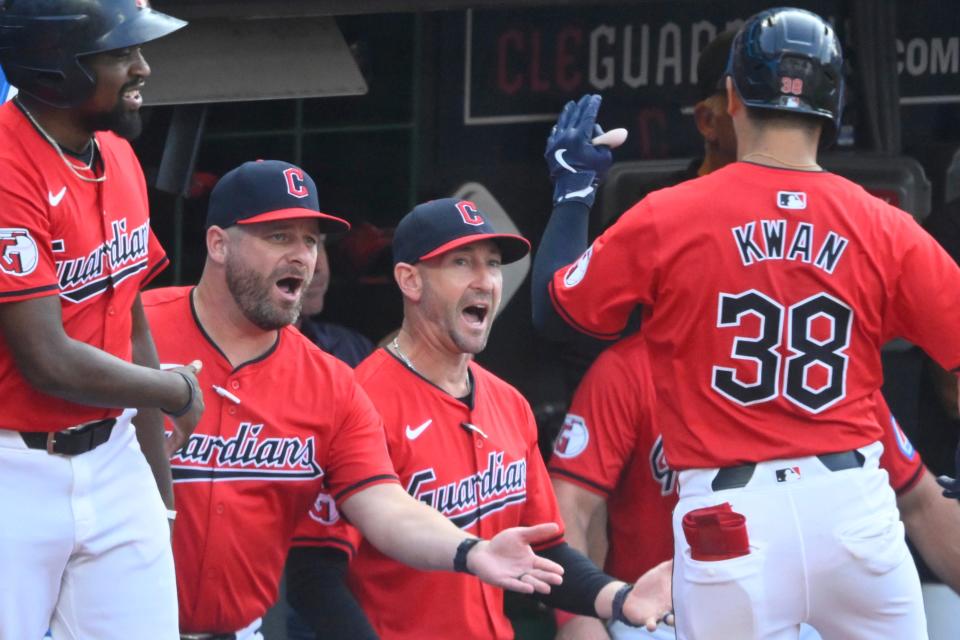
{"points": [[951, 486], [576, 165]]}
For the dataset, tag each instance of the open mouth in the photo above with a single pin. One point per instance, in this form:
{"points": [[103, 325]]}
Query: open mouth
{"points": [[132, 98], [290, 286], [476, 313]]}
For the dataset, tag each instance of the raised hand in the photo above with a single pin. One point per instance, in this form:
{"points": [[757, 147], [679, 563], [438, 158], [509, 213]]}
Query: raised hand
{"points": [[577, 165], [507, 560]]}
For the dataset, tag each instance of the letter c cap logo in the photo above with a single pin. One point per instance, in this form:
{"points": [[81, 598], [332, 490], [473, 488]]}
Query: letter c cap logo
{"points": [[296, 185]]}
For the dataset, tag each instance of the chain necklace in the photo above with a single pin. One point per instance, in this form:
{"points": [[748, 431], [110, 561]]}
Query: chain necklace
{"points": [[75, 169], [395, 345], [792, 165]]}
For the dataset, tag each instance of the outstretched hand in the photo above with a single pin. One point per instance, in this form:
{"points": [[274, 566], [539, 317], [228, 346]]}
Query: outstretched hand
{"points": [[507, 560], [651, 600], [576, 165]]}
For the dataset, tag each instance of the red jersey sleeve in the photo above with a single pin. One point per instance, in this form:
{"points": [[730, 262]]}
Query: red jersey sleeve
{"points": [[358, 452], [901, 461], [27, 265], [924, 307], [590, 293], [157, 259], [541, 504], [598, 435], [323, 526]]}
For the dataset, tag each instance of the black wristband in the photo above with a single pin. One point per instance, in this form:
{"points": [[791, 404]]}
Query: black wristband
{"points": [[186, 407], [460, 558], [616, 609]]}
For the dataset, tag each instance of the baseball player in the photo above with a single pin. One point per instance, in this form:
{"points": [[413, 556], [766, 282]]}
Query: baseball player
{"points": [[84, 541], [285, 420], [463, 441], [610, 453], [719, 149], [608, 459], [763, 322]]}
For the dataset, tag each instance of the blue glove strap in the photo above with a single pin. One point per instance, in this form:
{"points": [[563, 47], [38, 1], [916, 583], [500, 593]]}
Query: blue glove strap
{"points": [[575, 187]]}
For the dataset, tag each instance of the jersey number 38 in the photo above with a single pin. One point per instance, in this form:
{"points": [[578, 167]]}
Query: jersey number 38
{"points": [[817, 334]]}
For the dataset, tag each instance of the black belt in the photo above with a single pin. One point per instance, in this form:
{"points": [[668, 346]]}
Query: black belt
{"points": [[72, 441], [738, 477]]}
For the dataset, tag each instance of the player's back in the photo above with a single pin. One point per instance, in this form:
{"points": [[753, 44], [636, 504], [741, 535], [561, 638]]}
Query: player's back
{"points": [[772, 291]]}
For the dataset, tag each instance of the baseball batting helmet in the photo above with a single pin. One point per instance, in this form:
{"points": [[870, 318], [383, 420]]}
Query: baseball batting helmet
{"points": [[789, 60], [42, 42]]}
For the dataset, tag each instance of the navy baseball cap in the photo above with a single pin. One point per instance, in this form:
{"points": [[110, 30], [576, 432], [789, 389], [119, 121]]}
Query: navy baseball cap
{"points": [[438, 226], [267, 190]]}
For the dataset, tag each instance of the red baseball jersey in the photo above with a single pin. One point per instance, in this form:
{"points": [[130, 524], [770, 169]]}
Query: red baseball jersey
{"points": [[769, 293], [479, 467], [88, 242], [274, 432], [610, 445]]}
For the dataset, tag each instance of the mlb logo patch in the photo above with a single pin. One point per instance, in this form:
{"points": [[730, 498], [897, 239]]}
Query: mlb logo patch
{"points": [[794, 200], [790, 474]]}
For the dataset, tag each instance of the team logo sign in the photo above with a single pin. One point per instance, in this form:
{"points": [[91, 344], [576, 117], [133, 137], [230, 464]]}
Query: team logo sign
{"points": [[573, 437], [795, 200], [575, 273], [18, 252]]}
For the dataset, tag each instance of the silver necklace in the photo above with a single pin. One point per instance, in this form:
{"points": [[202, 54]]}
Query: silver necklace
{"points": [[76, 169], [395, 345]]}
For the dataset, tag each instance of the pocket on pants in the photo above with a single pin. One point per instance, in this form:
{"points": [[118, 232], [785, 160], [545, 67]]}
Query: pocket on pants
{"points": [[718, 599], [876, 542], [721, 571]]}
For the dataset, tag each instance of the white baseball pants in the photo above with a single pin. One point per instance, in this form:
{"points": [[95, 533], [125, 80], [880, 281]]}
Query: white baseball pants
{"points": [[84, 543], [826, 548]]}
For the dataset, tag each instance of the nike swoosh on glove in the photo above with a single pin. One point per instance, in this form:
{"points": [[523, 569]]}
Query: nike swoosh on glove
{"points": [[576, 165]]}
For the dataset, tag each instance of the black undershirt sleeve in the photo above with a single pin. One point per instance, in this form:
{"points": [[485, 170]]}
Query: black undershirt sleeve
{"points": [[317, 591], [582, 581], [564, 239]]}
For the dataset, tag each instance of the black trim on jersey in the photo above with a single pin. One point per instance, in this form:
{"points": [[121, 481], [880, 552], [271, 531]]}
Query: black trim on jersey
{"points": [[467, 399], [156, 269], [549, 543], [263, 356], [311, 539], [581, 479], [357, 485], [100, 285], [467, 519], [181, 474], [86, 156], [911, 483], [57, 246], [25, 292], [573, 323]]}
